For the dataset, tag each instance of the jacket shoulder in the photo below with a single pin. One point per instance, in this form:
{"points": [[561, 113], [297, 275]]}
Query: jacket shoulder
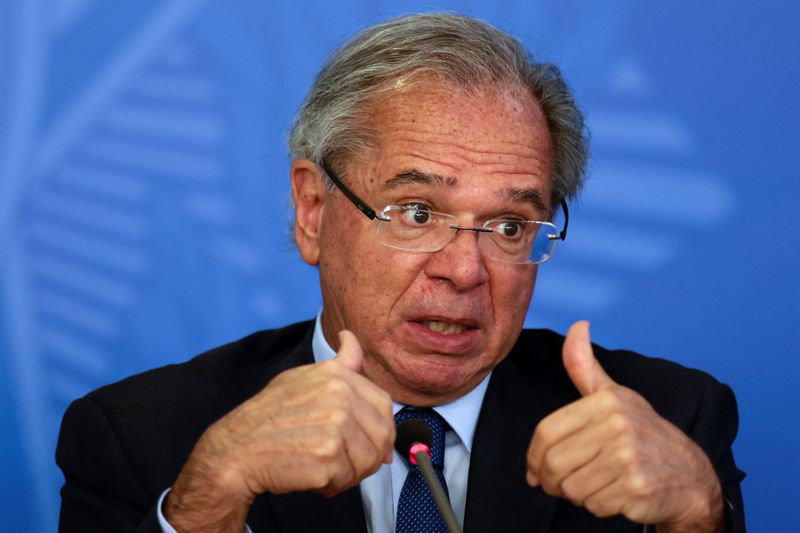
{"points": [[674, 390], [237, 369], [142, 428]]}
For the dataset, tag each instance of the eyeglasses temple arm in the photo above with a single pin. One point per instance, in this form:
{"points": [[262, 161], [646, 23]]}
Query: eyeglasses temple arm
{"points": [[358, 202], [566, 219]]}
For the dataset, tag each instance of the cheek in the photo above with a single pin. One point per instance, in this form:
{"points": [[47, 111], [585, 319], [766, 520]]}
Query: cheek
{"points": [[511, 292], [359, 274]]}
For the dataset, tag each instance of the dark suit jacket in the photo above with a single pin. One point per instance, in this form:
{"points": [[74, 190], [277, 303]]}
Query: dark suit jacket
{"points": [[122, 445]]}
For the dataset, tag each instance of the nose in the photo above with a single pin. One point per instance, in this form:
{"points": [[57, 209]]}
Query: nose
{"points": [[460, 262]]}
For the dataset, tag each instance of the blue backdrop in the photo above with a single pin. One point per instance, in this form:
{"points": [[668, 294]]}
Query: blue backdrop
{"points": [[144, 199]]}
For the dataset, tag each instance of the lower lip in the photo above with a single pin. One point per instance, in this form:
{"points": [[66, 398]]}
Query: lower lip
{"points": [[425, 337]]}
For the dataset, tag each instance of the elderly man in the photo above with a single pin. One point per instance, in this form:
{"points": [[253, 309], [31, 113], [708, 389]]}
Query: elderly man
{"points": [[429, 159]]}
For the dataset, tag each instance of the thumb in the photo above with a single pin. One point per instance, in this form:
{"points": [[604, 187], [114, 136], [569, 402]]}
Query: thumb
{"points": [[350, 353], [579, 361]]}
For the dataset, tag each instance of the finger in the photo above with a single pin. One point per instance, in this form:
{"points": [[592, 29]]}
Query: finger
{"points": [[579, 360], [308, 458], [333, 438], [362, 454], [558, 426], [363, 402], [590, 479], [374, 408], [609, 500], [350, 353], [374, 415], [341, 467], [343, 451], [576, 465], [568, 456], [372, 411], [613, 483]]}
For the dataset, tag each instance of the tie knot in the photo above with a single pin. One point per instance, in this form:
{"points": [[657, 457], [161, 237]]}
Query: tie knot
{"points": [[434, 421]]}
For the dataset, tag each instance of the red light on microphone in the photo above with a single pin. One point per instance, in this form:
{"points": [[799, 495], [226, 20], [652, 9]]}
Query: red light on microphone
{"points": [[416, 448]]}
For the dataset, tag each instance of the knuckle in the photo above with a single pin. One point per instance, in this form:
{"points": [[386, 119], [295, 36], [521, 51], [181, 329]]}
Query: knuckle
{"points": [[636, 485], [549, 487], [554, 463], [571, 491], [543, 432], [338, 478], [386, 434], [608, 400], [337, 388], [625, 456], [331, 365], [338, 419], [599, 507], [318, 479], [385, 408], [377, 460], [328, 448], [619, 423]]}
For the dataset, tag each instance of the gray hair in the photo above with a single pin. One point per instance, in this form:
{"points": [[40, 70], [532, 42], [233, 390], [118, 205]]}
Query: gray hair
{"points": [[334, 121]]}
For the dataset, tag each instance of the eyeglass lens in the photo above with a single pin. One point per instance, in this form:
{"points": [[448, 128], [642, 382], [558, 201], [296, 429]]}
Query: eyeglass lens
{"points": [[420, 230]]}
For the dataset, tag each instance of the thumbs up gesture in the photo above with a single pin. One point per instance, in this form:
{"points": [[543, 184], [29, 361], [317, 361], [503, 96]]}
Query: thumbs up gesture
{"points": [[611, 453], [320, 427]]}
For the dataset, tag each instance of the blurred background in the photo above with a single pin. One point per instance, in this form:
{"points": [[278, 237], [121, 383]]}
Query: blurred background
{"points": [[144, 199]]}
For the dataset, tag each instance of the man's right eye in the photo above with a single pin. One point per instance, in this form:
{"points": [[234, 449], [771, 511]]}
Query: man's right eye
{"points": [[417, 215]]}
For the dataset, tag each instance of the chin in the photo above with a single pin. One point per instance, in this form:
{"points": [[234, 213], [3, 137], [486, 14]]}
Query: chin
{"points": [[434, 383], [424, 379]]}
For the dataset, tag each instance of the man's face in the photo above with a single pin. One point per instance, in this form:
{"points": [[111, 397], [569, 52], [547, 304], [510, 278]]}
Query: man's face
{"points": [[432, 325]]}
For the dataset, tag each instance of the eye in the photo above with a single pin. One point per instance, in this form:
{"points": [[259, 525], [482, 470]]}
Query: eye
{"points": [[510, 229], [420, 216], [417, 214]]}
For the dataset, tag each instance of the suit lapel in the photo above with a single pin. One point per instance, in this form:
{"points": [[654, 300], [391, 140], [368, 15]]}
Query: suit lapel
{"points": [[524, 388]]}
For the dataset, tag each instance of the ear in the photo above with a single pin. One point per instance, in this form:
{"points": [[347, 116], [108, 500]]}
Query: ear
{"points": [[309, 195]]}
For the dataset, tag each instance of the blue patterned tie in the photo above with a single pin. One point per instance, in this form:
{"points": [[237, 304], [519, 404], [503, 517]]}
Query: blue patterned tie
{"points": [[416, 511]]}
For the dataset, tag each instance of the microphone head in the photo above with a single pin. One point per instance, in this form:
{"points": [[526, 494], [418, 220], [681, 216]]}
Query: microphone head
{"points": [[411, 431]]}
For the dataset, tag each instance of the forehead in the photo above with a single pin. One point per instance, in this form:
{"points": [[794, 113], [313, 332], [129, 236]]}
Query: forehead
{"points": [[490, 138]]}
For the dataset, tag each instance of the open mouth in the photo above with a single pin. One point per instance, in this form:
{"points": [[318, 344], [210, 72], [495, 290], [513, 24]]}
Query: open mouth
{"points": [[445, 328], [443, 335], [446, 325]]}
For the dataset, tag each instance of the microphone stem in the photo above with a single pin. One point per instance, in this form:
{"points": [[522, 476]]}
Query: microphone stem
{"points": [[442, 502]]}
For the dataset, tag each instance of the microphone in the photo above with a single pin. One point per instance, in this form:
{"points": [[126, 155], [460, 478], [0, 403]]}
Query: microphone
{"points": [[414, 439]]}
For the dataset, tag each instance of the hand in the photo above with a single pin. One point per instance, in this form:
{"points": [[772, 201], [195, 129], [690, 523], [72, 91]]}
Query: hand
{"points": [[320, 427], [611, 453]]}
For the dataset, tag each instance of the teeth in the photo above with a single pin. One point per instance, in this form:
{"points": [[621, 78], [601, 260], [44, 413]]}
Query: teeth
{"points": [[445, 328]]}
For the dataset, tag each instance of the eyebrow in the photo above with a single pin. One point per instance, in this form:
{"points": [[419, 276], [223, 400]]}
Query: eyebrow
{"points": [[421, 178], [527, 196]]}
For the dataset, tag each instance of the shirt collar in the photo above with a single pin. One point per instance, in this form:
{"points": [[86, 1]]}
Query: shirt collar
{"points": [[322, 350], [461, 414]]}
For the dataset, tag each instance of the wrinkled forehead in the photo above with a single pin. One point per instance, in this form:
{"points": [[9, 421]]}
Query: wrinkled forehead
{"points": [[456, 105], [437, 136]]}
